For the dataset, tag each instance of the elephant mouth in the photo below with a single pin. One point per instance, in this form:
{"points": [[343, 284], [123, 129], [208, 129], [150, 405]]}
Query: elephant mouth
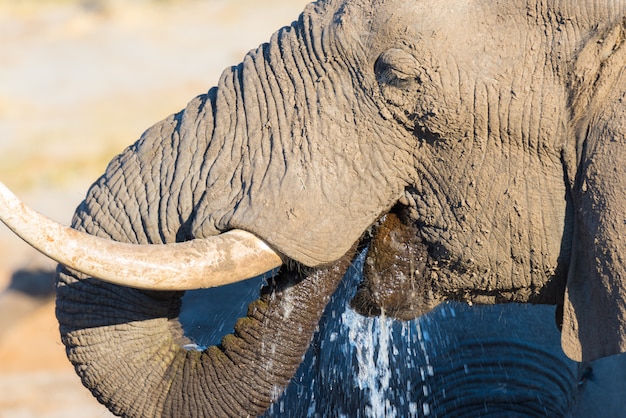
{"points": [[202, 263], [396, 280]]}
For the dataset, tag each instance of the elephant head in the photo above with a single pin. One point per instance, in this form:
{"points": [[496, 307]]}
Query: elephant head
{"points": [[493, 130]]}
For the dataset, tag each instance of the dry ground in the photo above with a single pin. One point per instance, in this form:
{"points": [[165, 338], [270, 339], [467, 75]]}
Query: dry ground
{"points": [[79, 81]]}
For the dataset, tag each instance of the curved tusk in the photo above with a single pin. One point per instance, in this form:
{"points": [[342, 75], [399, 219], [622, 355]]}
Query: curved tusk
{"points": [[226, 258]]}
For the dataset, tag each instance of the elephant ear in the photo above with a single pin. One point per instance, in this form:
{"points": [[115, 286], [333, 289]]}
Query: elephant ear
{"points": [[594, 311]]}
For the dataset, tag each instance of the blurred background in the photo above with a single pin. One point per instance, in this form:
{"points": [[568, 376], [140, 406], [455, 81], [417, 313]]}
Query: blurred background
{"points": [[80, 81]]}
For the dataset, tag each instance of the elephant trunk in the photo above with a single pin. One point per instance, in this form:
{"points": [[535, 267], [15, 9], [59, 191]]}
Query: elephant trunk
{"points": [[129, 349]]}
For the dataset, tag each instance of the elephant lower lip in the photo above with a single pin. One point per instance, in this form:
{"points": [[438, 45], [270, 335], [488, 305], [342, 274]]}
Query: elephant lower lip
{"points": [[363, 304], [407, 309]]}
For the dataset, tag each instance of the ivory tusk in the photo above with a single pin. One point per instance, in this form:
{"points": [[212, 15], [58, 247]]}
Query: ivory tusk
{"points": [[216, 261]]}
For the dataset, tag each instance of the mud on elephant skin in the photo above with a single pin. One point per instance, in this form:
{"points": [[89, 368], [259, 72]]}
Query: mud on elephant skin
{"points": [[503, 147]]}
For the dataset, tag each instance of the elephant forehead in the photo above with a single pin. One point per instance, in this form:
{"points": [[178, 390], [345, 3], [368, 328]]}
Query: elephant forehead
{"points": [[463, 26]]}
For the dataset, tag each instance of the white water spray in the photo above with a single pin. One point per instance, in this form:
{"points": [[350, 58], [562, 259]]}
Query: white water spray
{"points": [[370, 338]]}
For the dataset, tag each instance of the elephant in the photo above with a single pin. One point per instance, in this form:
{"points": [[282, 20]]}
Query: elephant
{"points": [[490, 133]]}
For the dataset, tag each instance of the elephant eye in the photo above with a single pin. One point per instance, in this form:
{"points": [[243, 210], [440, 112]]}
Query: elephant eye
{"points": [[398, 68]]}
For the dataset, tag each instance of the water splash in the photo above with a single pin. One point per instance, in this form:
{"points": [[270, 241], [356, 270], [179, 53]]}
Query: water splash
{"points": [[392, 362], [371, 341]]}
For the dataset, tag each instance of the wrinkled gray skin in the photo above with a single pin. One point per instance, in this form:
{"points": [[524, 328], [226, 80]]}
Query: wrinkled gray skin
{"points": [[498, 128]]}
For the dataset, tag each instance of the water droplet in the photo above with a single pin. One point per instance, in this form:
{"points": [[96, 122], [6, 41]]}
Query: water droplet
{"points": [[426, 409]]}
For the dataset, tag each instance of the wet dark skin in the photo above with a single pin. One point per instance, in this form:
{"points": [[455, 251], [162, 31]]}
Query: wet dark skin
{"points": [[397, 280]]}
